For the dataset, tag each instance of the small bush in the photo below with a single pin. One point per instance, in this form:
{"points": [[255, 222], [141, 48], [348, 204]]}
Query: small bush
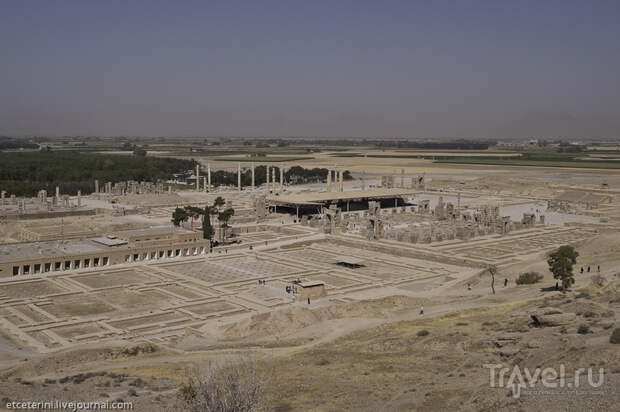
{"points": [[529, 278], [132, 392], [462, 323], [423, 332], [138, 382], [323, 362], [237, 386], [590, 314], [615, 336], [583, 329]]}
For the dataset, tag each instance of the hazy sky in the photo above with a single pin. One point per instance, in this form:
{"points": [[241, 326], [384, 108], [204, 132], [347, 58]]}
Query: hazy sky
{"points": [[310, 68]]}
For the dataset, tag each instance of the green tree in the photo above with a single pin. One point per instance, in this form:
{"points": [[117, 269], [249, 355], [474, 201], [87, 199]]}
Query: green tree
{"points": [[207, 228], [193, 213], [561, 264], [224, 217], [138, 151], [179, 216], [219, 201]]}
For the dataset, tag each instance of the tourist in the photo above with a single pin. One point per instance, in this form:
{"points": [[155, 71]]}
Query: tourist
{"points": [[505, 282], [421, 310]]}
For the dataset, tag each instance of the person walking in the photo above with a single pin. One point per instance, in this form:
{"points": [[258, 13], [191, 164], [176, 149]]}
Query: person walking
{"points": [[421, 310]]}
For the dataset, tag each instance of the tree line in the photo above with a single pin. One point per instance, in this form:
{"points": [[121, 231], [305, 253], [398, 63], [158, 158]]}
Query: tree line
{"points": [[24, 174]]}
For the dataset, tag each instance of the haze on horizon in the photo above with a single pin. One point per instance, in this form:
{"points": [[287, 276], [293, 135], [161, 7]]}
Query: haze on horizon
{"points": [[487, 69]]}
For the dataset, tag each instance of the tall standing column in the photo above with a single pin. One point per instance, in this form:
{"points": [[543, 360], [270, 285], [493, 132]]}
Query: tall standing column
{"points": [[341, 182], [239, 176], [58, 194], [273, 180], [252, 175], [197, 178], [281, 179], [329, 180], [267, 179], [204, 183], [209, 176], [79, 198], [96, 186]]}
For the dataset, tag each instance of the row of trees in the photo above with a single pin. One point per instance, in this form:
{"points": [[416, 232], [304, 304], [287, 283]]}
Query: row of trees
{"points": [[209, 214], [13, 144], [23, 174]]}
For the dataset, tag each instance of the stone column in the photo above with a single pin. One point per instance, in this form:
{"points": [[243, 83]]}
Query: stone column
{"points": [[329, 180], [58, 193], [3, 195], [402, 178], [204, 183], [281, 179], [252, 175], [363, 180], [79, 198], [267, 179], [239, 176], [209, 176], [197, 178], [273, 180], [341, 182], [96, 186]]}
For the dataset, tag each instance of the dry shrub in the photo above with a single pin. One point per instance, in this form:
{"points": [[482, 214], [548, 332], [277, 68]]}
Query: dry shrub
{"points": [[235, 387], [529, 278]]}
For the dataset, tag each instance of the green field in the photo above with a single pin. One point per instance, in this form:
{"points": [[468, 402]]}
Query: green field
{"points": [[581, 164]]}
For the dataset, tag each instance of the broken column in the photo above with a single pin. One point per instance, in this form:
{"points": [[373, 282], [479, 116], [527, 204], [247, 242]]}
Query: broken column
{"points": [[57, 193], [281, 179], [209, 176], [239, 176], [197, 178], [253, 176], [329, 180], [79, 198]]}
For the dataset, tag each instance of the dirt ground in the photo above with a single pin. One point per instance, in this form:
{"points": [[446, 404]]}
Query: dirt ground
{"points": [[373, 354]]}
